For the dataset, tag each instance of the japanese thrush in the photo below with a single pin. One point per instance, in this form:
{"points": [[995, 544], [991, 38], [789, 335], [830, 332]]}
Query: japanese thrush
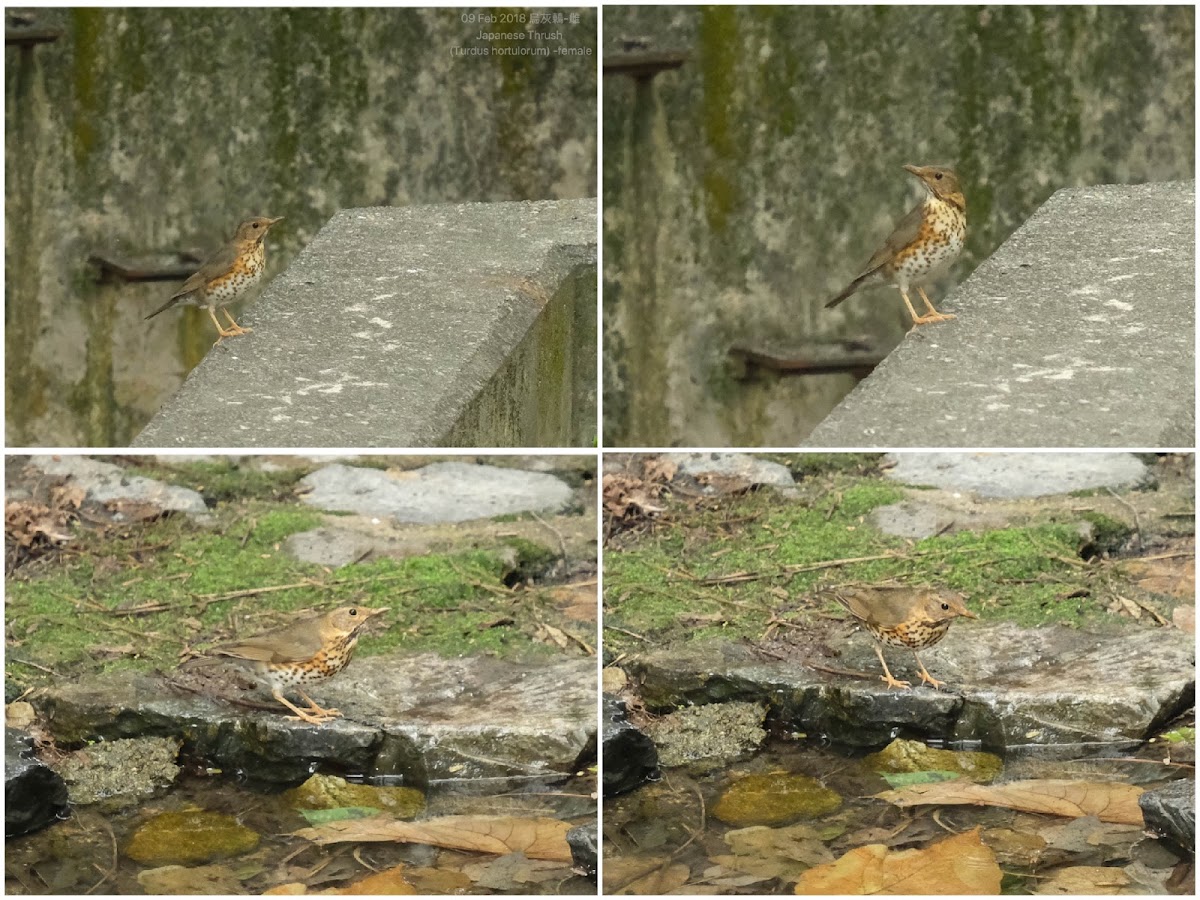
{"points": [[311, 650], [227, 275], [923, 245], [911, 618]]}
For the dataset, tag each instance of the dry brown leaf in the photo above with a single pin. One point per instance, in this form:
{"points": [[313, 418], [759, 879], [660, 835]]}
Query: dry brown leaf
{"points": [[644, 876], [389, 881], [962, 864], [1173, 576], [1107, 801], [1085, 880], [659, 468], [537, 838]]}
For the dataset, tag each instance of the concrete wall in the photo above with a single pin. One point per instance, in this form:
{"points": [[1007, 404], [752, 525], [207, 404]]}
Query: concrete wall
{"points": [[467, 325], [149, 131], [744, 188]]}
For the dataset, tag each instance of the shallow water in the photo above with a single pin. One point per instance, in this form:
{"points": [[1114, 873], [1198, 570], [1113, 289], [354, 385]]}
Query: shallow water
{"points": [[87, 852], [668, 836]]}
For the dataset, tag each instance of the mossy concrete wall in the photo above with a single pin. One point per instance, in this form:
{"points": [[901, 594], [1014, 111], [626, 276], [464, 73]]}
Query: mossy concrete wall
{"points": [[468, 325], [744, 188], [146, 132]]}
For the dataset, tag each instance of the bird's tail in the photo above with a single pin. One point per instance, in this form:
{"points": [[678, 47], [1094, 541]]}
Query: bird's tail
{"points": [[164, 307], [850, 289]]}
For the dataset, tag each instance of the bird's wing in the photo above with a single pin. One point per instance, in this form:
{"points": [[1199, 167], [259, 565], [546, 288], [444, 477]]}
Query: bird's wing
{"points": [[221, 261], [293, 644], [903, 235], [871, 605]]}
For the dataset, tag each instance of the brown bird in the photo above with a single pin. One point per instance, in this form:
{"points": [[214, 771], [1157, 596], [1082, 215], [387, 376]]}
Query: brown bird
{"points": [[310, 650], [911, 618], [227, 275], [924, 244]]}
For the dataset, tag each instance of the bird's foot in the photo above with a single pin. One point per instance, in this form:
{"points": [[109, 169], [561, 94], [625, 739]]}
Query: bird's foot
{"points": [[304, 715], [926, 678], [933, 317], [894, 682]]}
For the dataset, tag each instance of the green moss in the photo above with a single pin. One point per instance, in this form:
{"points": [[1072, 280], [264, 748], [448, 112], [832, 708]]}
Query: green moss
{"points": [[190, 837], [678, 582], [224, 479], [1108, 534], [774, 799], [133, 598]]}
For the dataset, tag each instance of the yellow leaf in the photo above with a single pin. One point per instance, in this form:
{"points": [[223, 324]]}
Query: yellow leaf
{"points": [[957, 865], [1107, 801], [537, 838]]}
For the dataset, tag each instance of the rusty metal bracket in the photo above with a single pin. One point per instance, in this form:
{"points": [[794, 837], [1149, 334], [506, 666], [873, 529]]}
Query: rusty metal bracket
{"points": [[641, 63], [168, 267], [28, 36], [855, 356]]}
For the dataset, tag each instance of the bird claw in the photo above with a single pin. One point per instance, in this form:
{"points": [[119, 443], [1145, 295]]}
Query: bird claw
{"points": [[933, 317], [894, 682]]}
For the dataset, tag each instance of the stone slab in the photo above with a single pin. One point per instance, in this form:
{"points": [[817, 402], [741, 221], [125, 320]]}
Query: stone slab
{"points": [[389, 325], [1079, 331]]}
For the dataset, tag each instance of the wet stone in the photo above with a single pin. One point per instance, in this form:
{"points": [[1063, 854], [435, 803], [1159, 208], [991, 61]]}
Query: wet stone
{"points": [[192, 836], [120, 774], [325, 792], [630, 757], [582, 839], [34, 794], [906, 757], [1008, 687], [1171, 812], [776, 798], [709, 737]]}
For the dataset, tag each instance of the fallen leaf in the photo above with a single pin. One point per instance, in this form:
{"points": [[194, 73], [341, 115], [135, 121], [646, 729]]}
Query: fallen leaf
{"points": [[644, 876], [510, 872], [1107, 801], [1085, 880], [957, 865], [389, 881], [537, 838]]}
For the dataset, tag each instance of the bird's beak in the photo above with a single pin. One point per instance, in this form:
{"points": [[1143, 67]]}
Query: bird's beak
{"points": [[368, 612], [273, 221], [915, 170], [970, 615]]}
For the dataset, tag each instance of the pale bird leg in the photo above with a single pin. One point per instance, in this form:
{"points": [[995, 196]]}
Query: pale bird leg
{"points": [[317, 709], [887, 678], [941, 317], [301, 714], [220, 328], [237, 329], [925, 676]]}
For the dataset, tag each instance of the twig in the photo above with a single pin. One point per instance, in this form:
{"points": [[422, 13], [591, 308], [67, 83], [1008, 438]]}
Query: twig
{"points": [[1137, 522], [633, 634], [112, 869], [24, 662], [1134, 600], [562, 544]]}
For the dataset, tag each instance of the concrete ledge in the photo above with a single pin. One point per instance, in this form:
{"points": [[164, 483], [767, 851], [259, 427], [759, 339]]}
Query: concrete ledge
{"points": [[468, 325], [1077, 332]]}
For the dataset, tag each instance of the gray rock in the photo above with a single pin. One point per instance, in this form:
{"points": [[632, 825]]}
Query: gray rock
{"points": [[739, 465], [105, 482], [1052, 347], [441, 492], [1008, 687], [418, 718], [34, 794], [1010, 475], [630, 757], [582, 839], [333, 547], [120, 774], [708, 737], [1171, 812]]}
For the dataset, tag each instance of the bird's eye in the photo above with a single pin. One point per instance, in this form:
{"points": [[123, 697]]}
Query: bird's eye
{"points": [[354, 612], [938, 176], [256, 224], [946, 606]]}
